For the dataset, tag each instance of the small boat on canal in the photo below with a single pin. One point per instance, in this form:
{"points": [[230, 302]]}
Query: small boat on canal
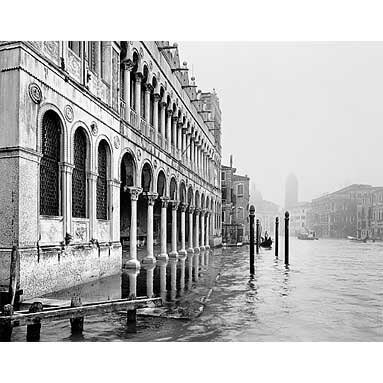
{"points": [[308, 236], [355, 239], [266, 243]]}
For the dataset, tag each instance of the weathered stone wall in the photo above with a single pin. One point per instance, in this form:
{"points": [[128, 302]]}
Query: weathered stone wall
{"points": [[54, 269]]}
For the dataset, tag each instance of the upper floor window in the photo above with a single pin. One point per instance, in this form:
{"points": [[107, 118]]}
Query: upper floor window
{"points": [[240, 190], [75, 46], [93, 55], [223, 176]]}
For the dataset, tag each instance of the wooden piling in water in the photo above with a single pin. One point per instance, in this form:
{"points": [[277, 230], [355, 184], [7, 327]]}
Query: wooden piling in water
{"points": [[252, 216], [77, 322], [286, 238], [13, 275], [6, 326], [258, 235], [131, 320], [33, 330], [276, 236]]}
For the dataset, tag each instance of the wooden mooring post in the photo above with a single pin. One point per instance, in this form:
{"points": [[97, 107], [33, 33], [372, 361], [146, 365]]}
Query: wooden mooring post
{"points": [[131, 320], [77, 322], [258, 235], [276, 236], [252, 215], [287, 238], [33, 330], [6, 326]]}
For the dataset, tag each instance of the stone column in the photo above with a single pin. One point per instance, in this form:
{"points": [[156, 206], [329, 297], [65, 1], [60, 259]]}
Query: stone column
{"points": [[149, 259], [66, 174], [163, 120], [169, 127], [183, 226], [162, 258], [164, 250], [196, 232], [148, 90], [92, 180], [191, 210], [132, 262], [128, 66], [156, 98], [207, 239], [203, 212], [179, 138], [174, 253], [114, 209], [174, 131], [138, 95], [184, 143], [190, 251]]}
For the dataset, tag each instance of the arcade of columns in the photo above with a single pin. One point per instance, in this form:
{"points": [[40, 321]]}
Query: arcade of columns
{"points": [[197, 253], [170, 131], [167, 126]]}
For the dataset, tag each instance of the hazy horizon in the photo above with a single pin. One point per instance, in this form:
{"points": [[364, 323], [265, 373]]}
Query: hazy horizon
{"points": [[302, 108]]}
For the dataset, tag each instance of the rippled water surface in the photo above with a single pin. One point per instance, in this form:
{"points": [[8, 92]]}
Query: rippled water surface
{"points": [[332, 291]]}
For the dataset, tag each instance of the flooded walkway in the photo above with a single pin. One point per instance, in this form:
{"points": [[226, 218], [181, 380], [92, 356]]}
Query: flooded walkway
{"points": [[333, 291]]}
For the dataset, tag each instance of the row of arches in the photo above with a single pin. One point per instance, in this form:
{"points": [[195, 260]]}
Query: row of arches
{"points": [[52, 171]]}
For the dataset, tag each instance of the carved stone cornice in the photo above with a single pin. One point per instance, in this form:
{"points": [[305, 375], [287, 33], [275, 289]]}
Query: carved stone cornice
{"points": [[151, 197], [134, 192]]}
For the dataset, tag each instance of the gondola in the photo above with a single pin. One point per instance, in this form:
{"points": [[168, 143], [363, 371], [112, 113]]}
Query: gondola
{"points": [[266, 244]]}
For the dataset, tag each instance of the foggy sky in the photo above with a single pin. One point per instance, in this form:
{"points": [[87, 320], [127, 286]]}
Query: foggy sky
{"points": [[313, 109]]}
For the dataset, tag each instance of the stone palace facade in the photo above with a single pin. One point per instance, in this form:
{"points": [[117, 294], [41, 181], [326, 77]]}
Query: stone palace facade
{"points": [[105, 146]]}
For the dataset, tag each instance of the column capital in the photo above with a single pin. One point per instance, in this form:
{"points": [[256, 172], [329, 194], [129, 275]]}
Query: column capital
{"points": [[127, 65], [66, 167], [134, 192], [148, 87], [138, 77], [191, 209], [163, 104], [197, 210], [156, 97], [151, 198], [170, 112], [175, 204], [183, 207], [92, 176], [164, 201], [175, 118], [115, 183]]}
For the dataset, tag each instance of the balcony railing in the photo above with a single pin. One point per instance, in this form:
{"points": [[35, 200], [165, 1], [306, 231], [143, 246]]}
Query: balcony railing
{"points": [[122, 109], [143, 127], [159, 140], [133, 118]]}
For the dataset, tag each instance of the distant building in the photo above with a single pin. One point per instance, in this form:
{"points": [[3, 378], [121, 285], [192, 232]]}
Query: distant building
{"points": [[334, 215], [235, 205], [370, 214], [298, 217], [291, 191], [265, 211]]}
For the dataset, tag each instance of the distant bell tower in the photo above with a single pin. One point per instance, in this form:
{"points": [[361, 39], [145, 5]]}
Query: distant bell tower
{"points": [[291, 191]]}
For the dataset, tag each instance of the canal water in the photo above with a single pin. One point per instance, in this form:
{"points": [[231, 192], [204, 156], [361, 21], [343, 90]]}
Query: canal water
{"points": [[332, 291]]}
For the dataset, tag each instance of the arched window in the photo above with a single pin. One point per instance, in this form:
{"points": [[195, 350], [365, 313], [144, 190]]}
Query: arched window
{"points": [[49, 165], [79, 175], [102, 182]]}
